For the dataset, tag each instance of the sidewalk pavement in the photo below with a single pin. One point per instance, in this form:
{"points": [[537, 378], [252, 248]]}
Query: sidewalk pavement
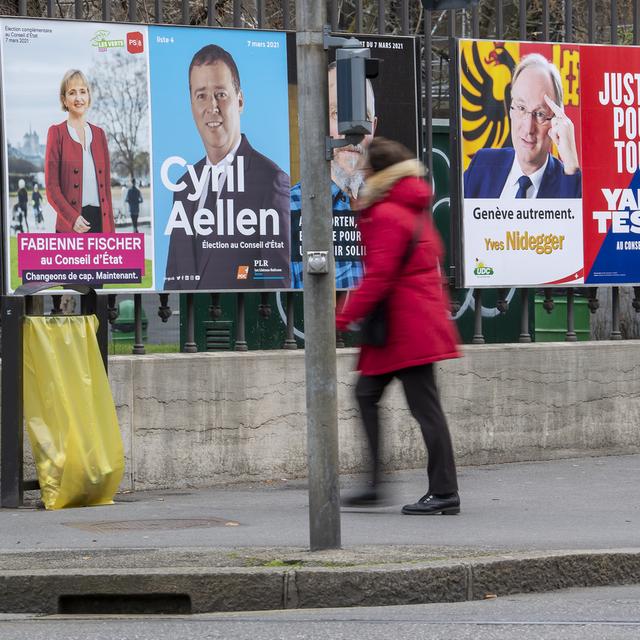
{"points": [[523, 527]]}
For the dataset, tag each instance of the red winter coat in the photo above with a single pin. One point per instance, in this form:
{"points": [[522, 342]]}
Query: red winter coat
{"points": [[63, 176], [420, 328]]}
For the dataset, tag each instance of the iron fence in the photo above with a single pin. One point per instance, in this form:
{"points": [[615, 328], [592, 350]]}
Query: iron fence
{"points": [[588, 21]]}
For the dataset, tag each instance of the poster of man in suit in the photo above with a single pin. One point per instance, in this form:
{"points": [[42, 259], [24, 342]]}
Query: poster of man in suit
{"points": [[222, 175], [521, 157]]}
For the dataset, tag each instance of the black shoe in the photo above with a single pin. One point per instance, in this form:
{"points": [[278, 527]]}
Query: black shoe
{"points": [[430, 505], [367, 498]]}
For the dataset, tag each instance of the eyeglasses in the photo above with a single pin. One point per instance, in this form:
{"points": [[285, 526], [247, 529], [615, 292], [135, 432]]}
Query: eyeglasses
{"points": [[521, 113]]}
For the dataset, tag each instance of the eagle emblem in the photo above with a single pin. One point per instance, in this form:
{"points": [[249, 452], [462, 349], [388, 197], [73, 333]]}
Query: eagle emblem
{"points": [[485, 79]]}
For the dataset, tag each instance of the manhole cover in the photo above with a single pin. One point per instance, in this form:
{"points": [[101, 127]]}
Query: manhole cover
{"points": [[151, 525]]}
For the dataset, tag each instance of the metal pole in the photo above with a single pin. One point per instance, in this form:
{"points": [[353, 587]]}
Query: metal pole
{"points": [[190, 343], [592, 21], [358, 16], [571, 332], [525, 336], [478, 338], [335, 14], [286, 17], [614, 22], [428, 91], [545, 20], [290, 340], [102, 313], [319, 289], [138, 344], [404, 15], [568, 21], [615, 314], [522, 19], [260, 11], [241, 341], [11, 452], [499, 20], [475, 22]]}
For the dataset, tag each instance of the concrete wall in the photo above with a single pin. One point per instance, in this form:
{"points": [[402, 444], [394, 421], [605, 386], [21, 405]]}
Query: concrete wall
{"points": [[204, 419]]}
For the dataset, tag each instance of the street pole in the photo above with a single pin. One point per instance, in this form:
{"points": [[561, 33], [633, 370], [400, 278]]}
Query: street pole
{"points": [[319, 286]]}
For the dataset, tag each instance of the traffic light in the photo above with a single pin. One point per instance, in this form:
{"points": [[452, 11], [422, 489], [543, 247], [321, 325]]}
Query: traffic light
{"points": [[441, 5], [353, 67]]}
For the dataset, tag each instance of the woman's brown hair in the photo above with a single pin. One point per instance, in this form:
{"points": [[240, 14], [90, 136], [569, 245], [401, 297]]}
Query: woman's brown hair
{"points": [[383, 153]]}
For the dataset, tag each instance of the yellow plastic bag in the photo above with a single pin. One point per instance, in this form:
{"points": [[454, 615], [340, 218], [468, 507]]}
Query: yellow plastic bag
{"points": [[69, 412]]}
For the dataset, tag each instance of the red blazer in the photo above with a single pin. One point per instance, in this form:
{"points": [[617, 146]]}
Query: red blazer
{"points": [[63, 176]]}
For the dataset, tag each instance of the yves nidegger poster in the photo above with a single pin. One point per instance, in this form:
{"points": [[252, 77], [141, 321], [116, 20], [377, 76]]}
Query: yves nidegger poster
{"points": [[549, 147], [521, 156], [77, 199], [220, 158]]}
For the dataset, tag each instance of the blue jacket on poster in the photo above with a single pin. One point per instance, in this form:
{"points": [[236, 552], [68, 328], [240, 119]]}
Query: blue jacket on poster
{"points": [[490, 168]]}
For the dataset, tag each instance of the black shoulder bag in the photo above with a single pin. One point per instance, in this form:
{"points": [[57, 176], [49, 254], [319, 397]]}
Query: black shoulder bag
{"points": [[374, 328]]}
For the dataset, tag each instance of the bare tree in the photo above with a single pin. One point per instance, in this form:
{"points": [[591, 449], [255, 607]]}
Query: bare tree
{"points": [[120, 106]]}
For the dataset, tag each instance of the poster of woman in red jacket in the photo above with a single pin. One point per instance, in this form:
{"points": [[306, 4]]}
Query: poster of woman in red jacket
{"points": [[77, 166], [76, 122]]}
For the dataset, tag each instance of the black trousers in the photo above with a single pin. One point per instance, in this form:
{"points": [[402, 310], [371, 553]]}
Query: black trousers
{"points": [[424, 403], [93, 216]]}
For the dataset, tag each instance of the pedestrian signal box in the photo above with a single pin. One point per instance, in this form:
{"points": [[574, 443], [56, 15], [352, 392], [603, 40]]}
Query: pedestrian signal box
{"points": [[353, 67]]}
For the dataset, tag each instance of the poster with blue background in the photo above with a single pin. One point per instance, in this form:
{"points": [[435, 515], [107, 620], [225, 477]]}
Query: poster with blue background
{"points": [[221, 158]]}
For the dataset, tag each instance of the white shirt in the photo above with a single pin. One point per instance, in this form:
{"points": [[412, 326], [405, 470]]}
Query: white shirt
{"points": [[511, 186], [90, 196], [221, 170]]}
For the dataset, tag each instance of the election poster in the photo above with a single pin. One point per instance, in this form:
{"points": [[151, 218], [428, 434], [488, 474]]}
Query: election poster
{"points": [[221, 166], [610, 111], [393, 108], [521, 130], [549, 148], [77, 202]]}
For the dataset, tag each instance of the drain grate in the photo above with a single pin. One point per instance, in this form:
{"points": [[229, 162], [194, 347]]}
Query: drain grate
{"points": [[156, 524], [125, 604]]}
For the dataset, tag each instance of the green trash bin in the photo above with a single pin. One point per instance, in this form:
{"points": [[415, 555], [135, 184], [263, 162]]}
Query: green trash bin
{"points": [[123, 328], [552, 327]]}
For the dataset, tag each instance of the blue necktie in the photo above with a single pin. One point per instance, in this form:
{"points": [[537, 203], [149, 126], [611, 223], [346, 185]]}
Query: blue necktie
{"points": [[524, 183]]}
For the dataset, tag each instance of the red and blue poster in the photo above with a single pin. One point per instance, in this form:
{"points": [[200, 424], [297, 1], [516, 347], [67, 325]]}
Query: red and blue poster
{"points": [[611, 109]]}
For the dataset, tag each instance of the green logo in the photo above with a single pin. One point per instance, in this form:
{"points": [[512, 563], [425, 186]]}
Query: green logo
{"points": [[482, 270], [100, 40]]}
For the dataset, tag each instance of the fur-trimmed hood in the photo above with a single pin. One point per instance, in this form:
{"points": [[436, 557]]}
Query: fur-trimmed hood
{"points": [[379, 184]]}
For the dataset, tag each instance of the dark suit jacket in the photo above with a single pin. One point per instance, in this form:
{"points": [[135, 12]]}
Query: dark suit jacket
{"points": [[266, 187], [490, 168]]}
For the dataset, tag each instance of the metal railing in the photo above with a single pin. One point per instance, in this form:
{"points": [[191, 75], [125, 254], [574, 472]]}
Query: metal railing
{"points": [[616, 21]]}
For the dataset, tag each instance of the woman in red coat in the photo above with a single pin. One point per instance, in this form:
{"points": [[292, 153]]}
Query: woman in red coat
{"points": [[395, 203], [77, 167]]}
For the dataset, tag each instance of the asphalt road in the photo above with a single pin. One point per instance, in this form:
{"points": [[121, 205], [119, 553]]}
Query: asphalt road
{"points": [[605, 613]]}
